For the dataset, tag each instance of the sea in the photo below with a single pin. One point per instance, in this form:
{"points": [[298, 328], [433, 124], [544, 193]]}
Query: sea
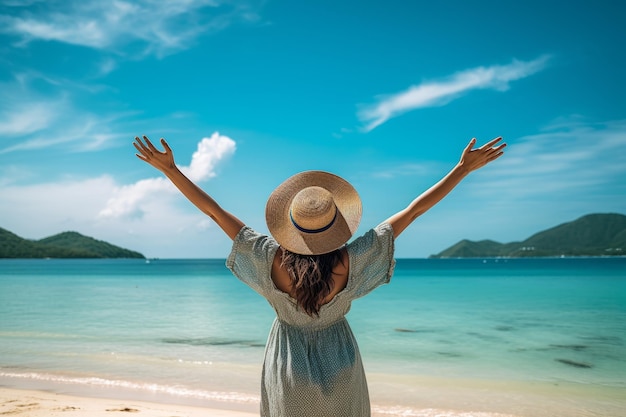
{"points": [[447, 337]]}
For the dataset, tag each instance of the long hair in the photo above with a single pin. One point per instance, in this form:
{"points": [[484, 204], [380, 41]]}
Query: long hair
{"points": [[311, 277]]}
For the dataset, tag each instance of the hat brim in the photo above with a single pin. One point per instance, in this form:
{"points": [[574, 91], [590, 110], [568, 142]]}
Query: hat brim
{"points": [[348, 205]]}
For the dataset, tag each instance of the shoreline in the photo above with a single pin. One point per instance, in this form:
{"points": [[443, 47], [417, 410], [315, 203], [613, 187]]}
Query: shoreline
{"points": [[390, 395], [37, 403]]}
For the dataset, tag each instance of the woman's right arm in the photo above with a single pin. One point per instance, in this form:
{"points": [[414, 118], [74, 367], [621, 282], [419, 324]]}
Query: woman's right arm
{"points": [[471, 160], [164, 162]]}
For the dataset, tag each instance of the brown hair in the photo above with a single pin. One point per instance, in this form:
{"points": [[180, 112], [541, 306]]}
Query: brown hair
{"points": [[311, 277]]}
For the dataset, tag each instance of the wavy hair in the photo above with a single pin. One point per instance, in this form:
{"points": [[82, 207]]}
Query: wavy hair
{"points": [[311, 277]]}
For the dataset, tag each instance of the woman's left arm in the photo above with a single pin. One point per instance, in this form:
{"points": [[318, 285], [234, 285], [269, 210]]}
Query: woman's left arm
{"points": [[471, 160]]}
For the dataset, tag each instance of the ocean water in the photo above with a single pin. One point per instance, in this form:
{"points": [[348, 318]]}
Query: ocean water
{"points": [[449, 337]]}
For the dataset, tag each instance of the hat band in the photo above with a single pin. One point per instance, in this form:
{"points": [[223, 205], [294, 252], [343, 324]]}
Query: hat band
{"points": [[321, 229]]}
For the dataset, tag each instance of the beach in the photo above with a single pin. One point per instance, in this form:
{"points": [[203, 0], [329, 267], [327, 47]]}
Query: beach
{"points": [[391, 395], [31, 403], [446, 338]]}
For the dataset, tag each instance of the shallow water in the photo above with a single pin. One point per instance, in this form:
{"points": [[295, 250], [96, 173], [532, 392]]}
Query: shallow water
{"points": [[187, 328]]}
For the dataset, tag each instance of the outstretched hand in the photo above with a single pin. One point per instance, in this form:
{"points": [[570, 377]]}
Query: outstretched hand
{"points": [[149, 153], [472, 159], [164, 162]]}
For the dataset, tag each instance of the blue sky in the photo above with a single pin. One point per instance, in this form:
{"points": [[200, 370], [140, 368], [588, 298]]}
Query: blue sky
{"points": [[383, 93]]}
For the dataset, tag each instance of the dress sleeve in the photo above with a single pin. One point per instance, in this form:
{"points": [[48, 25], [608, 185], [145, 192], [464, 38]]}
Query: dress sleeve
{"points": [[371, 260], [251, 258]]}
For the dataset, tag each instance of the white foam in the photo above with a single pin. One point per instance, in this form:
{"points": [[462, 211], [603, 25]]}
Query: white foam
{"points": [[179, 391], [430, 412]]}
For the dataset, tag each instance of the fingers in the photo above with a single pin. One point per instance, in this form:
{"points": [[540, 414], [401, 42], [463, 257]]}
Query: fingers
{"points": [[491, 143], [138, 147], [147, 148], [150, 145], [166, 146], [495, 156], [490, 152], [143, 150], [494, 153], [479, 157], [469, 146], [150, 154]]}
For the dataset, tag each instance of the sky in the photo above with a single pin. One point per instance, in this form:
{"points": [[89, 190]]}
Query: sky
{"points": [[385, 94]]}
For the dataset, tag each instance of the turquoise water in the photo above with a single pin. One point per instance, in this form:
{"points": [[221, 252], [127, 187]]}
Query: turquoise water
{"points": [[189, 328]]}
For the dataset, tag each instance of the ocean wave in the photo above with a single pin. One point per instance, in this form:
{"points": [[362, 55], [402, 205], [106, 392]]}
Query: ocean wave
{"points": [[430, 412], [179, 391]]}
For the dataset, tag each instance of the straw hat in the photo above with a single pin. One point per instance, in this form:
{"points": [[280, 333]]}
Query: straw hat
{"points": [[313, 213]]}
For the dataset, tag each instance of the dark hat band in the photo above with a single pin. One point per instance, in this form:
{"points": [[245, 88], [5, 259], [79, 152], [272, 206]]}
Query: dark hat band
{"points": [[321, 229]]}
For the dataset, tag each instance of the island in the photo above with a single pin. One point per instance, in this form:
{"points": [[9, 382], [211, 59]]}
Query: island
{"points": [[591, 235], [62, 245]]}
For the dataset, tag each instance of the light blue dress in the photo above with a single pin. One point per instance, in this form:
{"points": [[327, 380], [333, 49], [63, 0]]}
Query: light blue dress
{"points": [[312, 365]]}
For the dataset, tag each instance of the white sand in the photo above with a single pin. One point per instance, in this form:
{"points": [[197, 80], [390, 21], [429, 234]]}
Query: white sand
{"points": [[29, 403], [430, 397]]}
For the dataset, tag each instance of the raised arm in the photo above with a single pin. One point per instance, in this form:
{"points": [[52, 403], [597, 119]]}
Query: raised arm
{"points": [[471, 160], [164, 162]]}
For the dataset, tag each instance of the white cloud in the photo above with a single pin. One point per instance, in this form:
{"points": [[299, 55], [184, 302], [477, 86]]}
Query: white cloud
{"points": [[436, 93], [30, 120], [573, 160], [57, 124], [44, 209], [156, 27], [28, 117], [210, 152], [127, 200], [145, 216], [37, 210]]}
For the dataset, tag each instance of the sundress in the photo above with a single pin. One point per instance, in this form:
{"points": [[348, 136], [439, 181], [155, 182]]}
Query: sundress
{"points": [[312, 365]]}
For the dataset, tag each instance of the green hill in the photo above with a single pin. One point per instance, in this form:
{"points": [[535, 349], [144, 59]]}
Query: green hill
{"points": [[63, 245], [591, 235]]}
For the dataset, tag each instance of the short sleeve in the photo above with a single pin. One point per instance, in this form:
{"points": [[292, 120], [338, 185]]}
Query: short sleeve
{"points": [[251, 259], [371, 260]]}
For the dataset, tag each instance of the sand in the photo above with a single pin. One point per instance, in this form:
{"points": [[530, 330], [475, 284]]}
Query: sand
{"points": [[433, 399], [33, 403], [30, 403]]}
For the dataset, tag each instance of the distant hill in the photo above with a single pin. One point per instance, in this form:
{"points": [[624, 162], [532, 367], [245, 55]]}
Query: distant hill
{"points": [[63, 245], [591, 235]]}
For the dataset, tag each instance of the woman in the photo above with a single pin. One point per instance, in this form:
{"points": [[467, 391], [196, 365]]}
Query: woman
{"points": [[310, 274]]}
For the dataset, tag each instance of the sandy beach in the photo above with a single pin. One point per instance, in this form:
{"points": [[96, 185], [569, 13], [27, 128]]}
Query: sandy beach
{"points": [[31, 403], [489, 400]]}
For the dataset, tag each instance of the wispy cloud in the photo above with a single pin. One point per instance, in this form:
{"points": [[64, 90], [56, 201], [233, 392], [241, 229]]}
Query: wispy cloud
{"points": [[577, 164], [44, 124], [31, 120], [146, 26], [569, 169], [404, 170], [440, 92], [27, 119], [127, 199], [570, 160]]}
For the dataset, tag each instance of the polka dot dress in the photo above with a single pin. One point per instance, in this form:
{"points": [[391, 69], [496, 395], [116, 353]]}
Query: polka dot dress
{"points": [[312, 365]]}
